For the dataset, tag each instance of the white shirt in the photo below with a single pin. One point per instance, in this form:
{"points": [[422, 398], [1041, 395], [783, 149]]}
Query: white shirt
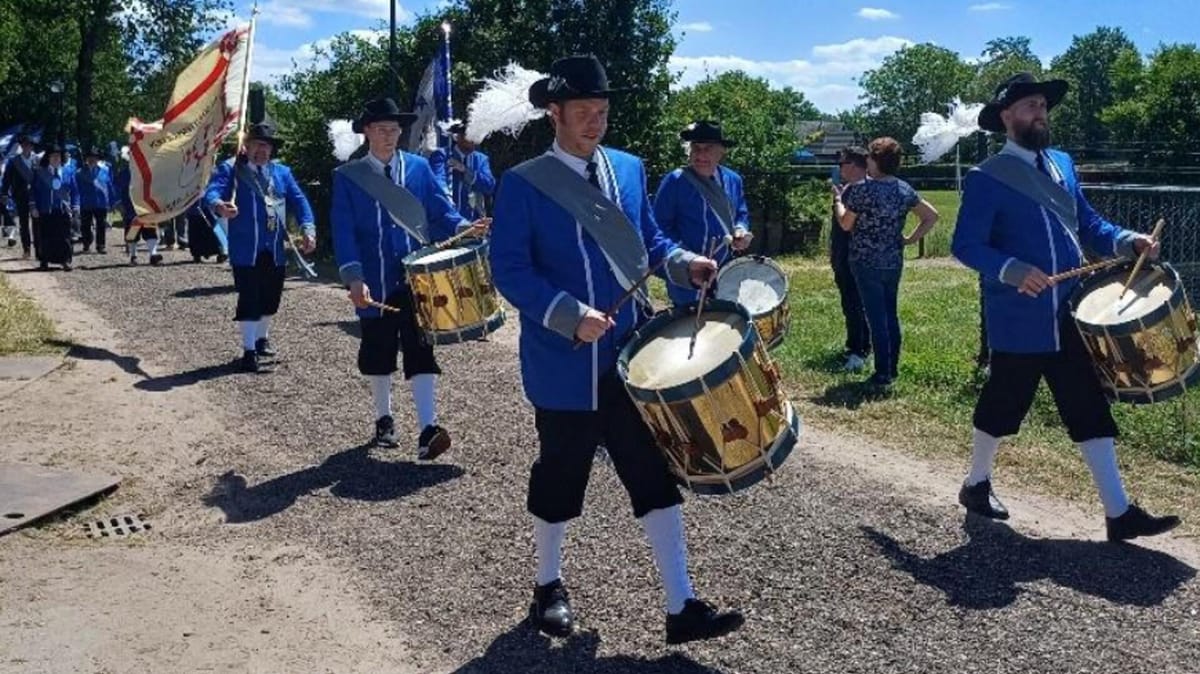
{"points": [[378, 165], [1030, 157], [576, 164]]}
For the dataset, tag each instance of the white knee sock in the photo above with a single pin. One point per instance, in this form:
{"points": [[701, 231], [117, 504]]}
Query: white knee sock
{"points": [[152, 245], [424, 393], [249, 334], [264, 327], [381, 391], [1100, 455], [664, 530], [983, 457], [548, 537]]}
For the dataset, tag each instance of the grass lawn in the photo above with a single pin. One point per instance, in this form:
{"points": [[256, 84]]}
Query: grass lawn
{"points": [[23, 327], [937, 242]]}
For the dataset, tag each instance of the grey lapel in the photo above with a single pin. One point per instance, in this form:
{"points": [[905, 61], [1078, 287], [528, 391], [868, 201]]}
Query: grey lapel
{"points": [[403, 206]]}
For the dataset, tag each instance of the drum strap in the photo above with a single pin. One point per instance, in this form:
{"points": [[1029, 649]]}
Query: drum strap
{"points": [[1039, 187], [714, 197], [620, 240], [404, 207]]}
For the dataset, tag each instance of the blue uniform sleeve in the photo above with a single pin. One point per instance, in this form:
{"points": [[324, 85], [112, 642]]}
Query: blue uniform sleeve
{"points": [[298, 204], [485, 182], [659, 245], [345, 243], [742, 215], [437, 164], [444, 220], [664, 207], [218, 185], [972, 234], [513, 269]]}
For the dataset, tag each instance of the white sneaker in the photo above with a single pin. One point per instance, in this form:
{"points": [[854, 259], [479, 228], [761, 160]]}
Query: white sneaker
{"points": [[855, 363]]}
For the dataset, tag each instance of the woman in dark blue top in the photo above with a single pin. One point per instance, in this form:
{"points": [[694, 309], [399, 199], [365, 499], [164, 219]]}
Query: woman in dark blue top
{"points": [[873, 211]]}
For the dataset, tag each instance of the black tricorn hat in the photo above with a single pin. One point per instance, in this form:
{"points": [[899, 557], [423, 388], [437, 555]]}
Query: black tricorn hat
{"points": [[571, 78], [49, 149], [704, 131], [93, 151], [382, 110], [264, 131], [1014, 89], [24, 138]]}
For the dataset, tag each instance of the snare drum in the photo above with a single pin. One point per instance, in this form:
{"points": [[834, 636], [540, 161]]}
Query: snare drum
{"points": [[453, 294], [760, 285], [713, 402], [1144, 345]]}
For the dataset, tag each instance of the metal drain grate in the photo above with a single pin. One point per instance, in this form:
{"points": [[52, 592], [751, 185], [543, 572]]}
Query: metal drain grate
{"points": [[115, 527]]}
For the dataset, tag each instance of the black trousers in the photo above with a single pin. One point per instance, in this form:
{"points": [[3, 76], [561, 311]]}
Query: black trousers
{"points": [[52, 238], [94, 224], [858, 333], [393, 333], [568, 441], [1014, 378], [259, 288]]}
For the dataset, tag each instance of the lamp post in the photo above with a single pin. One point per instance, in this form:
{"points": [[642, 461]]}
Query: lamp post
{"points": [[56, 88]]}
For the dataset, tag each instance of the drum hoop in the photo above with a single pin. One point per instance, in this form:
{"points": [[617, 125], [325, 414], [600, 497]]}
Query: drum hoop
{"points": [[693, 388], [476, 249], [1134, 325]]}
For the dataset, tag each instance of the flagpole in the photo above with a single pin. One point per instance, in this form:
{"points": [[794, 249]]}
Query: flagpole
{"points": [[243, 110]]}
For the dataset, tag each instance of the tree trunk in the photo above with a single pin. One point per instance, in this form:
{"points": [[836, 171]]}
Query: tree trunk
{"points": [[93, 25]]}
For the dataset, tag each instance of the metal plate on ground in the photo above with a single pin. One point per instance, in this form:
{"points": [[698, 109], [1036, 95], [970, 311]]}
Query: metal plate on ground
{"points": [[25, 368], [119, 526], [29, 493]]}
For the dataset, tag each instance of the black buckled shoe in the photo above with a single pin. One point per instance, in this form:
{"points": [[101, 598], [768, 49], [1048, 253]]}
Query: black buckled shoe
{"points": [[263, 348], [981, 500], [551, 609], [385, 432], [434, 442], [1137, 522], [249, 361], [700, 620], [156, 260]]}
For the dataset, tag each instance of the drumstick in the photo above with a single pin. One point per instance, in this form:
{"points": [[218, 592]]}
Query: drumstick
{"points": [[628, 293], [457, 237], [1142, 258], [1086, 269], [382, 306], [712, 250]]}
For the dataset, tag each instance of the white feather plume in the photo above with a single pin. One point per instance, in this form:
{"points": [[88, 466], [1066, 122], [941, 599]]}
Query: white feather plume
{"points": [[345, 140], [503, 104], [937, 134], [125, 152]]}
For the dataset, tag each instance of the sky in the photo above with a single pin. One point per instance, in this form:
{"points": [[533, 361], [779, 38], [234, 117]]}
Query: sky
{"points": [[819, 48]]}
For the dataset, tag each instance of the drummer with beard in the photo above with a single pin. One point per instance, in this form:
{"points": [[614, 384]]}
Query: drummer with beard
{"points": [[562, 271], [702, 203], [1024, 218], [370, 242]]}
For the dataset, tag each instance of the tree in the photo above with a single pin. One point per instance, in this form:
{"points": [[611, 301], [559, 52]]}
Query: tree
{"points": [[10, 34], [1000, 59], [916, 79], [1165, 110], [1088, 66]]}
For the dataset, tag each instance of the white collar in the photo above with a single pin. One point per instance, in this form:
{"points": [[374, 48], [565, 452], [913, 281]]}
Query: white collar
{"points": [[377, 163], [1011, 147], [576, 164]]}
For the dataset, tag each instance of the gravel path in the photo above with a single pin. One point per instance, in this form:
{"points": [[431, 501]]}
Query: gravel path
{"points": [[836, 570]]}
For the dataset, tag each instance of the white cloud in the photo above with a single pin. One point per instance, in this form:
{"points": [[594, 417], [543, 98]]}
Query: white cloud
{"points": [[990, 7], [698, 27], [827, 79], [280, 13], [876, 14], [375, 9], [270, 63]]}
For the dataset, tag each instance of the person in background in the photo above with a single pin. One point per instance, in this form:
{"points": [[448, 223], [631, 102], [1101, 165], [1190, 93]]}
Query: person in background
{"points": [[851, 169], [874, 211], [97, 195]]}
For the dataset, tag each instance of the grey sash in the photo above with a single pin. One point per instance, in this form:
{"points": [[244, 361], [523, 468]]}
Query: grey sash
{"points": [[276, 207], [24, 169], [715, 197], [604, 220], [1041, 188], [404, 207]]}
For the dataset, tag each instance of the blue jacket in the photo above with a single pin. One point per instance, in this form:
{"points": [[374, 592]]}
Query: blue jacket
{"points": [[46, 199], [478, 179], [123, 200], [685, 217], [368, 245], [248, 233], [96, 188], [1001, 233], [552, 271]]}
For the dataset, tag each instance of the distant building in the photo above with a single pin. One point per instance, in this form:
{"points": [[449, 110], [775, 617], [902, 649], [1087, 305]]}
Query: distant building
{"points": [[831, 138]]}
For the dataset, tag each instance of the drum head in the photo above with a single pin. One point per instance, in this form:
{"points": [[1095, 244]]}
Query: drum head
{"points": [[758, 285], [666, 358], [435, 255], [1101, 302]]}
